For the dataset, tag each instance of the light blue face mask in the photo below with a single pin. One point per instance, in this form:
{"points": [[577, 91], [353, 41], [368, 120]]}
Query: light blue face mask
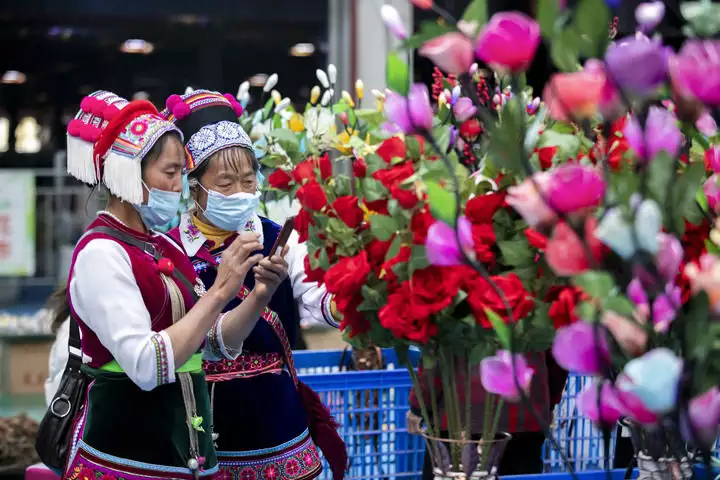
{"points": [[230, 212], [161, 208]]}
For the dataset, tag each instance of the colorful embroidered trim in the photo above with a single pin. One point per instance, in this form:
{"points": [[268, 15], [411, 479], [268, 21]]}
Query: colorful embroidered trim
{"points": [[245, 366], [89, 464], [161, 358], [214, 341], [327, 310], [299, 460]]}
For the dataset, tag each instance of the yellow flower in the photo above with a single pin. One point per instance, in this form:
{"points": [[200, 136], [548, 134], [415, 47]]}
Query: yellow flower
{"points": [[314, 95], [296, 123], [359, 89], [348, 98], [342, 142], [277, 98]]}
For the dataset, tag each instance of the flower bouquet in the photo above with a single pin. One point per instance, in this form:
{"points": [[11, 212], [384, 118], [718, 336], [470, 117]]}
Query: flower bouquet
{"points": [[611, 173]]}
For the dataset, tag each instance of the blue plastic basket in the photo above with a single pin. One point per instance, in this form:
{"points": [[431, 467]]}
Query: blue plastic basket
{"points": [[370, 407]]}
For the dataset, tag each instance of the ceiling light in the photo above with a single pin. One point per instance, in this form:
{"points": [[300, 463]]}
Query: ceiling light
{"points": [[13, 77], [258, 80], [137, 45], [302, 50]]}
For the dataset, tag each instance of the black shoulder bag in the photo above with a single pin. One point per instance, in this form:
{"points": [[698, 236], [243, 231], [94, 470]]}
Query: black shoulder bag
{"points": [[54, 436]]}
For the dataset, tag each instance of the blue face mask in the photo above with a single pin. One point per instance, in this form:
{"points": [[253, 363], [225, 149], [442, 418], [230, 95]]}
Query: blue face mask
{"points": [[230, 212], [162, 206]]}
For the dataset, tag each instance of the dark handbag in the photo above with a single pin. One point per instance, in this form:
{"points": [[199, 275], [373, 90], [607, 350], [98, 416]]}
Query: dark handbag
{"points": [[55, 430]]}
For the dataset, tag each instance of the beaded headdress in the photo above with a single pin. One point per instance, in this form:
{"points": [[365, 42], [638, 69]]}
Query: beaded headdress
{"points": [[107, 140], [209, 121]]}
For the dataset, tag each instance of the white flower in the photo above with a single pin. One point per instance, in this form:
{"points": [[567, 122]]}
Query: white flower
{"points": [[322, 78], [271, 82], [318, 124], [327, 96], [284, 103], [243, 90], [189, 90], [332, 74]]}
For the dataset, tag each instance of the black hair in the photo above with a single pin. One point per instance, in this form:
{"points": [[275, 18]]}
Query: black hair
{"points": [[228, 156]]}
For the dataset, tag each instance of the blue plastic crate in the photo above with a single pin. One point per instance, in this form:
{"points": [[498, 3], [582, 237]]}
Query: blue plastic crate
{"points": [[370, 407]]}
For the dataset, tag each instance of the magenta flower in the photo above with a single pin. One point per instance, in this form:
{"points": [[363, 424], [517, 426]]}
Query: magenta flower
{"points": [[653, 378], [712, 158], [396, 111], [508, 41], [664, 307], [610, 104], [464, 109], [421, 113], [498, 377], [706, 124], [661, 134], [452, 52], [637, 64], [578, 349], [669, 256], [704, 416], [634, 409], [610, 408], [573, 187], [695, 71], [712, 192], [441, 245]]}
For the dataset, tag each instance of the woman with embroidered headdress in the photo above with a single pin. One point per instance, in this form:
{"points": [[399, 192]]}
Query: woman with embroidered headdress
{"points": [[145, 319], [266, 423]]}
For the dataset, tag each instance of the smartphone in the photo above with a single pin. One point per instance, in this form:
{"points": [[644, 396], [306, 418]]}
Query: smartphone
{"points": [[283, 237]]}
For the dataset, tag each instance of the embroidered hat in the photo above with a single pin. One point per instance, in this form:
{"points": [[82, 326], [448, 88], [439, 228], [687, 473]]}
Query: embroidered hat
{"points": [[209, 121], [107, 140]]}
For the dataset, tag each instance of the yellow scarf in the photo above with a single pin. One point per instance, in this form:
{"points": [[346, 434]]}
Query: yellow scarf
{"points": [[211, 232]]}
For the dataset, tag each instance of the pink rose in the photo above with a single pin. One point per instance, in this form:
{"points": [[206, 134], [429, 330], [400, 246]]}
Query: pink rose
{"points": [[566, 253], [452, 52], [508, 41], [573, 95], [574, 187], [526, 200]]}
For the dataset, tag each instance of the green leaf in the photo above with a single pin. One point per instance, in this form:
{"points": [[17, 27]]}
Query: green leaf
{"points": [[501, 329], [383, 227], [564, 50], [412, 146], [660, 172], [586, 311], [398, 75], [477, 12], [442, 203], [567, 144], [273, 161], [373, 300], [373, 189], [505, 149], [595, 284], [418, 258], [323, 260], [516, 253], [685, 192], [370, 115], [441, 134], [592, 18], [394, 248], [619, 304], [547, 12], [375, 163], [428, 31], [696, 326], [287, 139]]}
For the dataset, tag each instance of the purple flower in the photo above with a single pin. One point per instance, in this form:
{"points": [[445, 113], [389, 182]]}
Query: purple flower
{"points": [[712, 192], [396, 111], [669, 257], [421, 113], [695, 71], [610, 408], [637, 64], [664, 307], [441, 245], [393, 22], [575, 349], [496, 375], [464, 109], [661, 134], [706, 124], [704, 416], [649, 14]]}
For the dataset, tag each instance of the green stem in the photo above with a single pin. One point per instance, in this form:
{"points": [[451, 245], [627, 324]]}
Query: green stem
{"points": [[496, 420], [468, 398], [419, 395], [434, 401]]}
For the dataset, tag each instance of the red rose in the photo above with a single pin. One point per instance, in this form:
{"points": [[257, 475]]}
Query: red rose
{"points": [[394, 175], [421, 141], [419, 225], [482, 296], [535, 238], [312, 196], [398, 317], [391, 148], [316, 275], [354, 321], [348, 275], [280, 179], [433, 290], [325, 166], [304, 171], [347, 210], [378, 206], [302, 222], [545, 155], [564, 301], [388, 274], [480, 209], [359, 168], [484, 240], [470, 129], [693, 240], [406, 198], [377, 251]]}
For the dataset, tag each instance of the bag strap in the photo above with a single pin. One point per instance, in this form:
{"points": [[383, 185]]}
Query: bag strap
{"points": [[75, 360], [147, 248]]}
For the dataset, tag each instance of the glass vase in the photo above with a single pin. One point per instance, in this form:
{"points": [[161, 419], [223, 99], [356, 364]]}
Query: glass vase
{"points": [[466, 459]]}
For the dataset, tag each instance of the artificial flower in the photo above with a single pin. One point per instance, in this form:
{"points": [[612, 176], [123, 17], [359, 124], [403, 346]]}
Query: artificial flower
{"points": [[347, 210], [506, 375], [567, 254], [397, 112], [702, 423], [653, 378], [695, 70], [600, 403], [637, 64], [312, 196], [610, 105], [574, 187], [508, 41], [706, 278], [452, 52], [711, 188], [481, 297], [649, 14], [420, 110], [529, 203], [393, 22], [661, 134], [570, 96], [669, 256], [582, 348], [441, 245], [349, 274], [280, 179], [629, 334], [664, 307], [464, 109]]}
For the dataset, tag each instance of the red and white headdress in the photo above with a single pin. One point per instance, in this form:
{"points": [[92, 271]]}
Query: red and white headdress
{"points": [[107, 140]]}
